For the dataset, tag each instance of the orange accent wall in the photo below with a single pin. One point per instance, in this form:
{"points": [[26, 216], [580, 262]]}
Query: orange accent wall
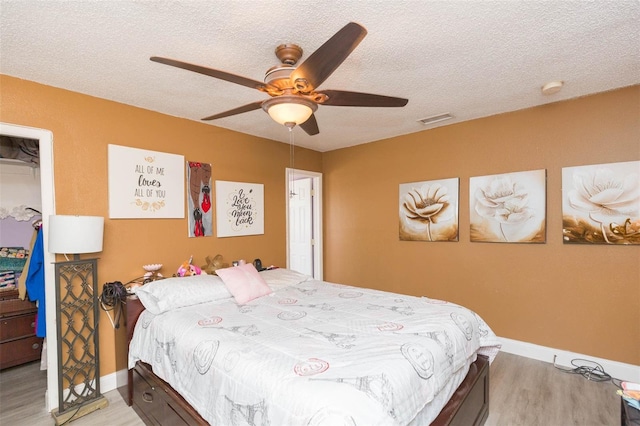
{"points": [[579, 298], [583, 299], [82, 128]]}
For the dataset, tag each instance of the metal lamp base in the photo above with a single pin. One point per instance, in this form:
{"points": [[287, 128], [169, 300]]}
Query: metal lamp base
{"points": [[78, 340], [89, 407]]}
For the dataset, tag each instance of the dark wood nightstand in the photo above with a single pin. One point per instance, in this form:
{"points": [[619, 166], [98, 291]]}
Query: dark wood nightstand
{"points": [[18, 341], [132, 311]]}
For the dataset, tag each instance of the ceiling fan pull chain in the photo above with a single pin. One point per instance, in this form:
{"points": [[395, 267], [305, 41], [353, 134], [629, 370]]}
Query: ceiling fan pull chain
{"points": [[292, 147]]}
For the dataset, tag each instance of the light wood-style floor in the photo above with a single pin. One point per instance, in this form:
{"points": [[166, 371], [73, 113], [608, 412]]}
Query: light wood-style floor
{"points": [[527, 392], [523, 392]]}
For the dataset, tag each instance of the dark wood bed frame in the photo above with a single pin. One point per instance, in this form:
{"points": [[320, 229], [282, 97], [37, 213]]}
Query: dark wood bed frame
{"points": [[157, 403]]}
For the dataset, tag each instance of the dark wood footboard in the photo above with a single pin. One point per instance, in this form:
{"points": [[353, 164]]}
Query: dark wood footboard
{"points": [[157, 403], [469, 405]]}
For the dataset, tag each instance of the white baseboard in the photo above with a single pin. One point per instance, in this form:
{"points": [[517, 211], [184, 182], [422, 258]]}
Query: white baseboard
{"points": [[615, 369], [113, 381], [618, 370]]}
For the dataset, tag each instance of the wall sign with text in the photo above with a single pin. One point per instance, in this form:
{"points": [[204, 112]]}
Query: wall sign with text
{"points": [[145, 184], [239, 208]]}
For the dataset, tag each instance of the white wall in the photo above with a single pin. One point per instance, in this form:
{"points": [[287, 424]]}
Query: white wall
{"points": [[19, 186]]}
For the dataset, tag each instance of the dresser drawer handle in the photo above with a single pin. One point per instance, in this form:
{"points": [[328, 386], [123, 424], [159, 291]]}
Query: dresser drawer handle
{"points": [[33, 324], [147, 397], [35, 346]]}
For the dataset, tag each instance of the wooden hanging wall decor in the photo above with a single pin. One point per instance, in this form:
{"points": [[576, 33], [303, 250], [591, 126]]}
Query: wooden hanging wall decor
{"points": [[200, 208]]}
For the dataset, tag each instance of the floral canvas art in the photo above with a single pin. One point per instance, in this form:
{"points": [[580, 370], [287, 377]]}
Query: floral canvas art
{"points": [[601, 204], [429, 210], [508, 208]]}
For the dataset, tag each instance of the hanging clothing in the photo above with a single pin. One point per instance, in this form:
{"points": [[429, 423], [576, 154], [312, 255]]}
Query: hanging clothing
{"points": [[35, 283], [22, 280]]}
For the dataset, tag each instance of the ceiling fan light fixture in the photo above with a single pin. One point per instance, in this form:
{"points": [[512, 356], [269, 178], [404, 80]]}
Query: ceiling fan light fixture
{"points": [[289, 109], [293, 87]]}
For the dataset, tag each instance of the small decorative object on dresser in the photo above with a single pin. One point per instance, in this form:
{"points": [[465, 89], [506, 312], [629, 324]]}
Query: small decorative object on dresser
{"points": [[18, 341], [152, 271]]}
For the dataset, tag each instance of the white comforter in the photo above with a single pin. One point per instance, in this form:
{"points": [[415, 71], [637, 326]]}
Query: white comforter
{"points": [[314, 353]]}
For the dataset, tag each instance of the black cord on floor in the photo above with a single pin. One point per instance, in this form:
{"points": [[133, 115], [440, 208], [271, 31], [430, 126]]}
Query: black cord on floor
{"points": [[590, 370]]}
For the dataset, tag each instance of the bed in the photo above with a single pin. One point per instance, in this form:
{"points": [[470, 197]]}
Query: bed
{"points": [[303, 352]]}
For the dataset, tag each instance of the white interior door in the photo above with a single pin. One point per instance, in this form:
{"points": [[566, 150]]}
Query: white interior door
{"points": [[300, 227], [304, 222]]}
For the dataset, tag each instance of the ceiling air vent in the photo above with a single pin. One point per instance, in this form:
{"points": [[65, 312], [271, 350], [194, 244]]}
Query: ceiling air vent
{"points": [[436, 118]]}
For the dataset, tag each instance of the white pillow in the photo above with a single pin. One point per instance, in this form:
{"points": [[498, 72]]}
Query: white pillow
{"points": [[280, 277], [170, 293]]}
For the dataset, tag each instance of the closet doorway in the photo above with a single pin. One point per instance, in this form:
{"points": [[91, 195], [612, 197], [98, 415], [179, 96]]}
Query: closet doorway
{"points": [[47, 191], [304, 222]]}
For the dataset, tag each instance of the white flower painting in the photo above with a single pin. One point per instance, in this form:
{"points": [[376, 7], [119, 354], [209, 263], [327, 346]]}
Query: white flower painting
{"points": [[601, 203], [508, 208], [429, 210]]}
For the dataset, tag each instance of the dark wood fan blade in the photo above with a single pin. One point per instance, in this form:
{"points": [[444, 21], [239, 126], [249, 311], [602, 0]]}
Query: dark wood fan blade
{"points": [[243, 81], [239, 110], [343, 98], [310, 126], [324, 61]]}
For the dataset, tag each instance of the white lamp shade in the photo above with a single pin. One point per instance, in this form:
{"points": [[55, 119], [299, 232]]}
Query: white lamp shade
{"points": [[75, 234], [290, 113], [289, 109]]}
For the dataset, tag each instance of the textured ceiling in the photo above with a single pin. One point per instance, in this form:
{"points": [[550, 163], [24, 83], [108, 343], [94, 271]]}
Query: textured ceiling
{"points": [[469, 58]]}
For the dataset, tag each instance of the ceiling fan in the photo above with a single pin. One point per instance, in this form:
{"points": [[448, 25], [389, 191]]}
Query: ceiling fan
{"points": [[293, 90]]}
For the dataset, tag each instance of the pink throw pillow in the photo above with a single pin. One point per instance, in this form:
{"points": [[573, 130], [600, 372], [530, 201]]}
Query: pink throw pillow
{"points": [[244, 282]]}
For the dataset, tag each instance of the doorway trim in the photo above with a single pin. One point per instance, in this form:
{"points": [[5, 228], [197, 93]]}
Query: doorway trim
{"points": [[47, 192], [316, 211]]}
